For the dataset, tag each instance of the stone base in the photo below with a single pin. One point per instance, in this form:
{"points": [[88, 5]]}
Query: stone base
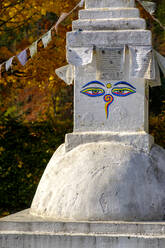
{"points": [[109, 24], [109, 13], [22, 230], [108, 38], [139, 140]]}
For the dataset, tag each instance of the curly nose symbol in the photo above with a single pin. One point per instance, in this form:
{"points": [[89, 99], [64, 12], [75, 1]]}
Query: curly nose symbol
{"points": [[108, 99]]}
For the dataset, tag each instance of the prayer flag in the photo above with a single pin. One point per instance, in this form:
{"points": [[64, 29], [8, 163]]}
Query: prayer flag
{"points": [[142, 62], [46, 38], [79, 56], [161, 61], [22, 57], [62, 17], [157, 80], [8, 63], [81, 3], [33, 48], [110, 63], [149, 6], [66, 73]]}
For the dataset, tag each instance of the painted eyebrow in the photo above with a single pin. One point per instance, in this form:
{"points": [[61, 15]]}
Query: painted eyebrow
{"points": [[122, 82], [93, 82]]}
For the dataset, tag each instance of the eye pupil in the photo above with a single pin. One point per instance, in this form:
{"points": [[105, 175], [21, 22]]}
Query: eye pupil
{"points": [[95, 91]]}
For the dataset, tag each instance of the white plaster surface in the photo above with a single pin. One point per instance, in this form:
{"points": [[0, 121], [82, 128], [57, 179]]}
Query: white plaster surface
{"points": [[126, 114], [109, 24], [139, 140], [103, 181], [99, 175], [108, 38], [29, 240], [109, 13], [109, 3], [23, 230]]}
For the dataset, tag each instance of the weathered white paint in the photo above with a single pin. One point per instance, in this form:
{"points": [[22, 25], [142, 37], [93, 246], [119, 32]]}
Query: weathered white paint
{"points": [[102, 181], [109, 13], [126, 114], [139, 140], [109, 24], [109, 3], [105, 170], [108, 38], [109, 169], [22, 230]]}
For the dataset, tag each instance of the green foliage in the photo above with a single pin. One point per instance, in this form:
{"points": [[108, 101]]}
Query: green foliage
{"points": [[161, 11], [157, 127], [157, 98], [25, 149]]}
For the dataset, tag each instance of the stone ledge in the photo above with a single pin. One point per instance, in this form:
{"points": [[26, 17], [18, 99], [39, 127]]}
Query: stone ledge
{"points": [[109, 3], [110, 24], [139, 140], [31, 240], [27, 223], [109, 13], [109, 38], [22, 230]]}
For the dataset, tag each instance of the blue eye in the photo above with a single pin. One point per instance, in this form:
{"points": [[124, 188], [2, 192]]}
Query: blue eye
{"points": [[93, 91], [122, 91]]}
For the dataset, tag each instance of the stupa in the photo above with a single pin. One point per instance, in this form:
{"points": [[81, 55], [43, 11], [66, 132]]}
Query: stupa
{"points": [[109, 168], [105, 186]]}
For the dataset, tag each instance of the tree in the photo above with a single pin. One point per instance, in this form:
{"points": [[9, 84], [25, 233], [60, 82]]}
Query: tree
{"points": [[25, 21]]}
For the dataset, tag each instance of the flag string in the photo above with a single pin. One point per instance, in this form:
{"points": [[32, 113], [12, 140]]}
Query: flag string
{"points": [[46, 38]]}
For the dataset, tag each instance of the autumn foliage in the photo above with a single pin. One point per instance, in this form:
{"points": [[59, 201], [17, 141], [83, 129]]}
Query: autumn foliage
{"points": [[21, 23], [35, 105]]}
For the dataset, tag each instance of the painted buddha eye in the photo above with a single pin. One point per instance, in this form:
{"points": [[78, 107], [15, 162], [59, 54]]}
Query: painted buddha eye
{"points": [[93, 91], [122, 91]]}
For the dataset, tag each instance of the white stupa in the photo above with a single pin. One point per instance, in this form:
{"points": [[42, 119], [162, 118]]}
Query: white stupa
{"points": [[109, 168]]}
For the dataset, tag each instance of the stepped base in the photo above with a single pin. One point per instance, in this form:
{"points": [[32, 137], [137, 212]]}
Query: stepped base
{"points": [[22, 230], [109, 3], [109, 13], [109, 24], [139, 140], [108, 38]]}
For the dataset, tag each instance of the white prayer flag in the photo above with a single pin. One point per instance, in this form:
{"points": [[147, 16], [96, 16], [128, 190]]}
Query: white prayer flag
{"points": [[8, 63], [161, 61], [81, 3], [62, 17], [149, 6], [66, 73], [33, 48], [110, 63], [46, 38], [142, 62], [157, 81], [22, 57], [79, 55]]}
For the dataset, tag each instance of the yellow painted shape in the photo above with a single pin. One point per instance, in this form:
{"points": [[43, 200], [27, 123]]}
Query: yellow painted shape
{"points": [[109, 86]]}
